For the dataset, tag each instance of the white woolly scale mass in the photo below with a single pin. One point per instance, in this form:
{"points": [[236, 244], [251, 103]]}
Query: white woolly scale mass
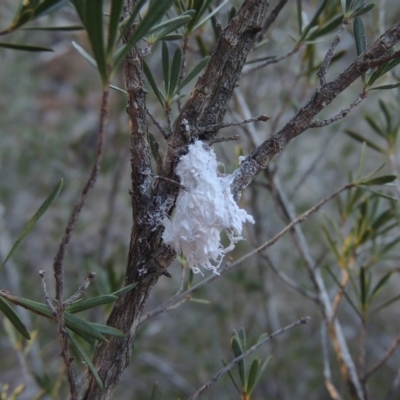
{"points": [[203, 210]]}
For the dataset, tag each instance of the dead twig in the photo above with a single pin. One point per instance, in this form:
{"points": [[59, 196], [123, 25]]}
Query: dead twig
{"points": [[252, 349]]}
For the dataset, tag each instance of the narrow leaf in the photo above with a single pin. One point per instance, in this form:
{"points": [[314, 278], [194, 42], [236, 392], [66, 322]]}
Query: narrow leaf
{"points": [[382, 282], [386, 87], [125, 289], [153, 84], [42, 209], [253, 375], [203, 21], [115, 15], [94, 28], [313, 21], [107, 330], [82, 327], [154, 14], [356, 136], [175, 72], [56, 28], [14, 318], [380, 180], [84, 54], [165, 64], [87, 360], [362, 10], [359, 36], [23, 47], [238, 351], [174, 23], [91, 303], [196, 70]]}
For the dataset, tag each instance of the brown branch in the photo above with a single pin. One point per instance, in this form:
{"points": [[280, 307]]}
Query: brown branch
{"points": [[383, 360], [273, 15], [58, 261], [252, 349], [260, 157], [328, 56]]}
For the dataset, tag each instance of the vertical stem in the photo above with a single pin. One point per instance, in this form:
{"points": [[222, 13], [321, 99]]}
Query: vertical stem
{"points": [[58, 262]]}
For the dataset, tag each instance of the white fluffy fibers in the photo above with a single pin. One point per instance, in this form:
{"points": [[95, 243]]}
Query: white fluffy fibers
{"points": [[204, 209]]}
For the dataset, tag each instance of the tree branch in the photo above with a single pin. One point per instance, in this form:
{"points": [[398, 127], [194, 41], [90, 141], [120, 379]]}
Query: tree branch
{"points": [[260, 157]]}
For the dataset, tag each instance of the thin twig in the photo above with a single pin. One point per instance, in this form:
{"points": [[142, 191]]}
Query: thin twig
{"points": [[58, 261], [284, 278], [328, 56], [206, 128], [252, 349], [339, 294], [46, 294], [273, 15], [342, 114], [383, 360], [81, 290], [273, 60], [158, 125], [223, 139], [327, 369]]}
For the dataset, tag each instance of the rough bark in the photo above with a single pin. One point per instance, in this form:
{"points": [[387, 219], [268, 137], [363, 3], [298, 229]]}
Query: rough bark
{"points": [[148, 257]]}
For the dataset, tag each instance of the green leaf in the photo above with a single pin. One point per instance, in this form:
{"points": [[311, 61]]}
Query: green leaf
{"points": [[42, 209], [124, 290], [165, 64], [118, 89], [23, 47], [113, 26], [175, 72], [314, 20], [330, 242], [204, 20], [386, 87], [171, 37], [171, 25], [93, 11], [381, 283], [371, 122], [155, 13], [299, 15], [386, 113], [253, 375], [107, 330], [82, 327], [386, 304], [14, 318], [56, 28], [48, 6], [76, 324], [326, 29], [363, 288], [379, 180], [85, 55], [200, 301], [362, 139], [153, 84], [238, 351], [196, 70], [232, 379], [87, 360], [362, 10], [91, 303], [361, 41]]}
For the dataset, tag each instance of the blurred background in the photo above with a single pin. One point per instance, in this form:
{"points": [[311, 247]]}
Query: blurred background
{"points": [[49, 111]]}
